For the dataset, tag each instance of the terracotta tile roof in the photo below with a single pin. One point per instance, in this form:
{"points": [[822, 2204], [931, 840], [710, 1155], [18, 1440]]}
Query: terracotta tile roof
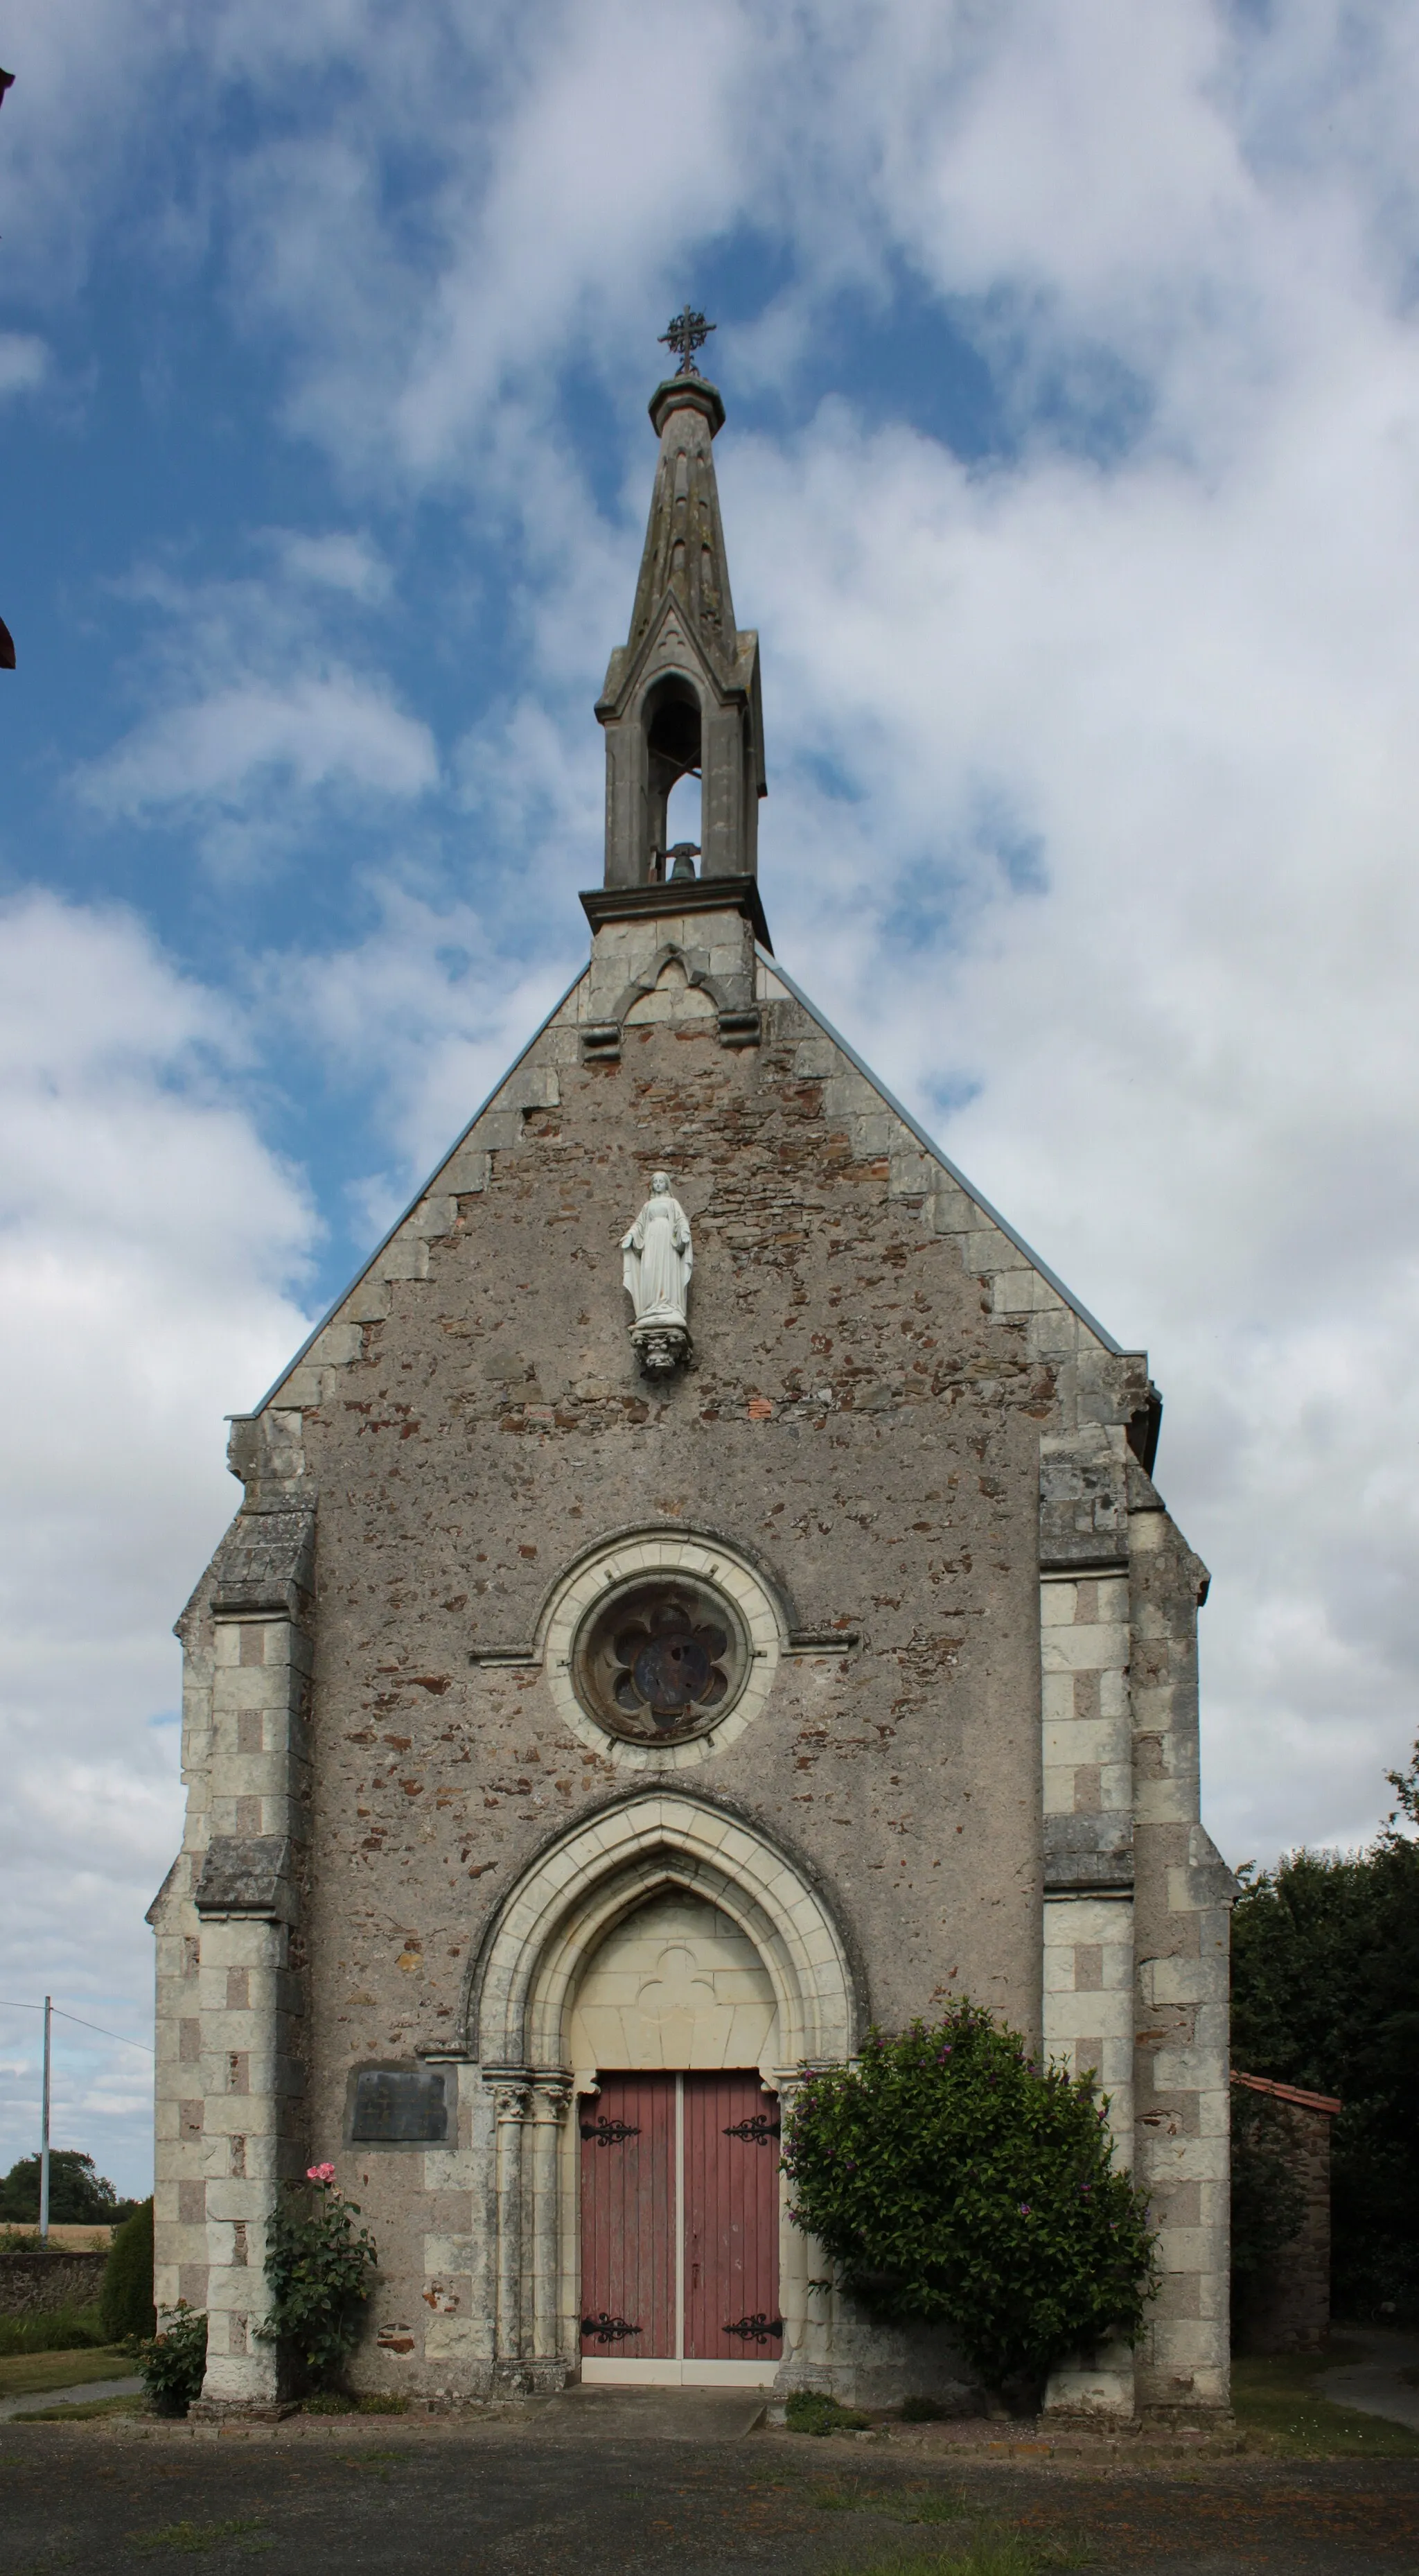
{"points": [[1289, 2093]]}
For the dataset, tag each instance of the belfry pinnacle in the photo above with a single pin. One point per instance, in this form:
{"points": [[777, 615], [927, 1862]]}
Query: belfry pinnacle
{"points": [[681, 698]]}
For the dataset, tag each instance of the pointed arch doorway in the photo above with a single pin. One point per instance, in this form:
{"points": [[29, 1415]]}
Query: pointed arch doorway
{"points": [[678, 2152], [529, 1983]]}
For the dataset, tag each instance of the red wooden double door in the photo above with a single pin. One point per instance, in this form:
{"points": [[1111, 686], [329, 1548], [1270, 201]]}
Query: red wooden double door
{"points": [[679, 2229]]}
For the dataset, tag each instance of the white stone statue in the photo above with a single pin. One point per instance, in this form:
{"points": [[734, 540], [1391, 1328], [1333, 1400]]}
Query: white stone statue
{"points": [[658, 1260]]}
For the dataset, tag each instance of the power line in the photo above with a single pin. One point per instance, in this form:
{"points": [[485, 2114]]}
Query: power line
{"points": [[120, 2035]]}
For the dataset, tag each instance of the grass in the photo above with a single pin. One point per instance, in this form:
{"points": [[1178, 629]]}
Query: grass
{"points": [[988, 2550], [813, 2411], [27, 2374], [990, 2553], [899, 2504], [1277, 2399], [53, 2330], [190, 2537]]}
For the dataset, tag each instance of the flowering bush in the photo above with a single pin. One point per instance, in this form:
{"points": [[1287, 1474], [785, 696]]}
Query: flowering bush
{"points": [[318, 2268], [949, 2176], [174, 2361]]}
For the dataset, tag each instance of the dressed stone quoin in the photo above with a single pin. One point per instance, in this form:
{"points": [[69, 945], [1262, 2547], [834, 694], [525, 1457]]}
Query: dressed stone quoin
{"points": [[584, 1738]]}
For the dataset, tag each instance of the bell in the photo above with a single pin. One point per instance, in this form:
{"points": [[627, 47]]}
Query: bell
{"points": [[684, 854]]}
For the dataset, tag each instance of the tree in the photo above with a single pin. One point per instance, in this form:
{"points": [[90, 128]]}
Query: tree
{"points": [[1325, 1994], [78, 2196], [948, 2175]]}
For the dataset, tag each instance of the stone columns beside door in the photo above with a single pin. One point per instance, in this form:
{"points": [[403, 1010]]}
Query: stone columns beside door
{"points": [[527, 2211]]}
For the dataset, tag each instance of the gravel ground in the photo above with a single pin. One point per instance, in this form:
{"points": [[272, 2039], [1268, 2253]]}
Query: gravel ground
{"points": [[549, 2497]]}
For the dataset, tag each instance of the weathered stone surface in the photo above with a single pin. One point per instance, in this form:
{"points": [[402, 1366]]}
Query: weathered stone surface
{"points": [[1288, 2308], [266, 1559], [1088, 1851], [251, 1876]]}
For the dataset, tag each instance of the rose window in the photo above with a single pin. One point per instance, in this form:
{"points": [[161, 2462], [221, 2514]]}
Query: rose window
{"points": [[660, 1660]]}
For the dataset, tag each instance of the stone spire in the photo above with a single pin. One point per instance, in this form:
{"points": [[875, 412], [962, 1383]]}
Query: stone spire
{"points": [[682, 693]]}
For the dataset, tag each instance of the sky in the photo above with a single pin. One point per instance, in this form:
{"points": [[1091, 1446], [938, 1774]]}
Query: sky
{"points": [[1071, 477]]}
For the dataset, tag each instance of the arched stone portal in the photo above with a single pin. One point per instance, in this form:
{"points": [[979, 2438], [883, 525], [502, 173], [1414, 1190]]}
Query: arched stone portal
{"points": [[522, 1998]]}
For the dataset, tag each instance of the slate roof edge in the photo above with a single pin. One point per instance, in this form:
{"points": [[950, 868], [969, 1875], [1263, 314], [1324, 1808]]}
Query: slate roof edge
{"points": [[333, 1309], [776, 967]]}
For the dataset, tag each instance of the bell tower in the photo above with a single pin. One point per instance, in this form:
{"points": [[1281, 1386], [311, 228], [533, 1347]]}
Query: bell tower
{"points": [[681, 697]]}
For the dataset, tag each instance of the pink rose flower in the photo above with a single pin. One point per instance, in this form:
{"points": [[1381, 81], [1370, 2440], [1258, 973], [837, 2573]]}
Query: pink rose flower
{"points": [[320, 2173]]}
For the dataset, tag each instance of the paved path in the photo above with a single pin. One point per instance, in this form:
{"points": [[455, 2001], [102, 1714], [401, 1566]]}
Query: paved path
{"points": [[561, 2493], [1374, 2385], [68, 2396]]}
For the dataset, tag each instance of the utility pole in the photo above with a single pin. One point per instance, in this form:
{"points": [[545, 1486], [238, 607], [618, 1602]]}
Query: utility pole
{"points": [[44, 2134]]}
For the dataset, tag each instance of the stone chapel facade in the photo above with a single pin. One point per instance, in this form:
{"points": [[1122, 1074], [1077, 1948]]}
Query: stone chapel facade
{"points": [[643, 1659]]}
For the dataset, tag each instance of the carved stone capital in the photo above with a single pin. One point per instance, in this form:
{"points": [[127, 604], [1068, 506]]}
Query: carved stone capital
{"points": [[511, 2089]]}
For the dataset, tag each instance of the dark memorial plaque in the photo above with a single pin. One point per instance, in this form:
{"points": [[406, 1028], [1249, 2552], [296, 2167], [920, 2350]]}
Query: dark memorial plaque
{"points": [[404, 2106]]}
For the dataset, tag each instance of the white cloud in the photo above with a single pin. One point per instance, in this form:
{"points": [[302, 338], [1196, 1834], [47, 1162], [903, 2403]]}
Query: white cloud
{"points": [[24, 363], [339, 561], [254, 728], [315, 731], [430, 1000], [146, 1241]]}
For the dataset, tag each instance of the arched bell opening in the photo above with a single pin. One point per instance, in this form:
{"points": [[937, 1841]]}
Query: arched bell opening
{"points": [[674, 755]]}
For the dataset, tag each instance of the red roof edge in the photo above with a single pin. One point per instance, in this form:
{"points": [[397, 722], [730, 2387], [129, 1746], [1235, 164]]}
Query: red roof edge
{"points": [[1290, 2093]]}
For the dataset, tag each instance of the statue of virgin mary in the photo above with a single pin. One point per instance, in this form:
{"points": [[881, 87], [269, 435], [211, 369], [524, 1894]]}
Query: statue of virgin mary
{"points": [[658, 1260]]}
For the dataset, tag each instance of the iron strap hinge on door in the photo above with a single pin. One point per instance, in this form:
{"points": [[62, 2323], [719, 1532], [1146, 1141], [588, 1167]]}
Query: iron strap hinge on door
{"points": [[760, 2328], [604, 2329], [756, 2132], [609, 2133]]}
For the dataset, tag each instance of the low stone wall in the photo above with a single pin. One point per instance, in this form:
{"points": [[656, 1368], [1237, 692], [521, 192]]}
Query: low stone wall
{"points": [[1289, 2310], [36, 2284]]}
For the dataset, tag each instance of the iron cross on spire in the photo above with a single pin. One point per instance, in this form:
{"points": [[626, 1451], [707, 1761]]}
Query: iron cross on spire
{"points": [[688, 332]]}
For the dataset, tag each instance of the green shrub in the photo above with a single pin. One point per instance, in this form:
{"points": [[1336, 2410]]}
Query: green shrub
{"points": [[174, 2362], [811, 2410], [54, 2330], [126, 2298], [950, 2177], [318, 2267]]}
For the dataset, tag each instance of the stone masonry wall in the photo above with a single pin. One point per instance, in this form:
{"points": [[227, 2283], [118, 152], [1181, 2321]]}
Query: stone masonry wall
{"points": [[36, 2284], [1289, 2308]]}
